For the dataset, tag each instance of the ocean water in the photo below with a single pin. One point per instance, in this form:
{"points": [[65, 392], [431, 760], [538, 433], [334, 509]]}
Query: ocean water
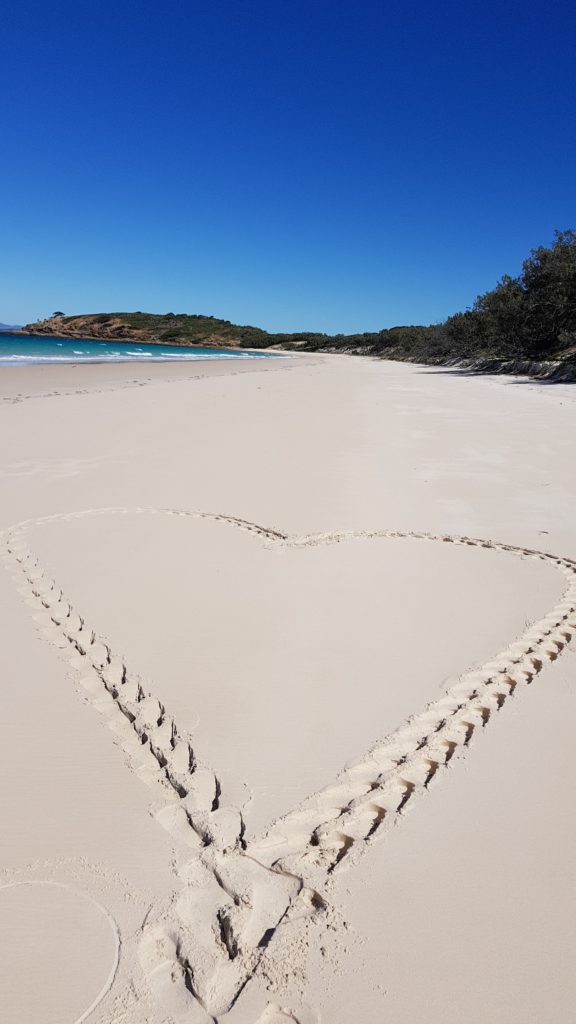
{"points": [[22, 350]]}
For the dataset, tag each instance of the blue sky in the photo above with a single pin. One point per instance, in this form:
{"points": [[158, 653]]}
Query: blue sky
{"points": [[319, 165]]}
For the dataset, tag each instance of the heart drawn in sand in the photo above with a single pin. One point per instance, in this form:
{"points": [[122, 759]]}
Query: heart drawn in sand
{"points": [[198, 953]]}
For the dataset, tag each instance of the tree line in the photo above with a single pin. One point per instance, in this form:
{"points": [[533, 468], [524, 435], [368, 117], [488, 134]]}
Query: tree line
{"points": [[528, 317]]}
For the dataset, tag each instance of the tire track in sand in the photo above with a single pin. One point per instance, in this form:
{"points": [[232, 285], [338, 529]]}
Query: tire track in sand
{"points": [[198, 953]]}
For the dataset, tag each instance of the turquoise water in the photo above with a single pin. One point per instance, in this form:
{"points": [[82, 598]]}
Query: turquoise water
{"points": [[20, 350]]}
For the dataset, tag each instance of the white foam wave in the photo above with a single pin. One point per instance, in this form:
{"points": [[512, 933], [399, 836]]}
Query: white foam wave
{"points": [[124, 357]]}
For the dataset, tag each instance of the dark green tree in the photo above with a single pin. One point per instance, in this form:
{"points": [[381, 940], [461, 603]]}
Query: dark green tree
{"points": [[500, 319], [549, 282]]}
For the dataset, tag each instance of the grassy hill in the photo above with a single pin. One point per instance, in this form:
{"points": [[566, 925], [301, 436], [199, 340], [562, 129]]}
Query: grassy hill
{"points": [[154, 328]]}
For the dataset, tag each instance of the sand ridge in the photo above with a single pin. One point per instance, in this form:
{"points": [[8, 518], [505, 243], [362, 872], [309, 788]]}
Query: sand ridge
{"points": [[240, 891]]}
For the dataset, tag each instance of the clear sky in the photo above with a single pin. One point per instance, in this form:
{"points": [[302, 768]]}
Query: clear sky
{"points": [[321, 165]]}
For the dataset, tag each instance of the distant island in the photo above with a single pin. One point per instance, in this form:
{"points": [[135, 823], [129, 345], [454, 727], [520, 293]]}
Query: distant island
{"points": [[10, 327], [526, 324]]}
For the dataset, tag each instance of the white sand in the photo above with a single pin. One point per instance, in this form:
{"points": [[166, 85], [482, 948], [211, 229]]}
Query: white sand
{"points": [[46, 925], [277, 651]]}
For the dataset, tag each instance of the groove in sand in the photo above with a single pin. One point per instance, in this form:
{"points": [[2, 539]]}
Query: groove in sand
{"points": [[198, 955]]}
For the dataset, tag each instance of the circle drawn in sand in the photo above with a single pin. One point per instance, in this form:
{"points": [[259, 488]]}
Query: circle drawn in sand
{"points": [[59, 952]]}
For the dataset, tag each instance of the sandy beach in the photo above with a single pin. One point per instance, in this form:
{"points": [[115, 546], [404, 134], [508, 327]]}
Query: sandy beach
{"points": [[289, 694]]}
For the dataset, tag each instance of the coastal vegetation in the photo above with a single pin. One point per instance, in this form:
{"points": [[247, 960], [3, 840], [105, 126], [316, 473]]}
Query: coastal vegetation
{"points": [[526, 322]]}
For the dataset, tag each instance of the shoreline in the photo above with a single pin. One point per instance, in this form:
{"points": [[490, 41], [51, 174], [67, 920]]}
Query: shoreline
{"points": [[137, 340], [56, 379]]}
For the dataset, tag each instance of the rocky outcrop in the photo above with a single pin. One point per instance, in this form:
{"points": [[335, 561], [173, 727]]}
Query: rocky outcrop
{"points": [[143, 328], [112, 328]]}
